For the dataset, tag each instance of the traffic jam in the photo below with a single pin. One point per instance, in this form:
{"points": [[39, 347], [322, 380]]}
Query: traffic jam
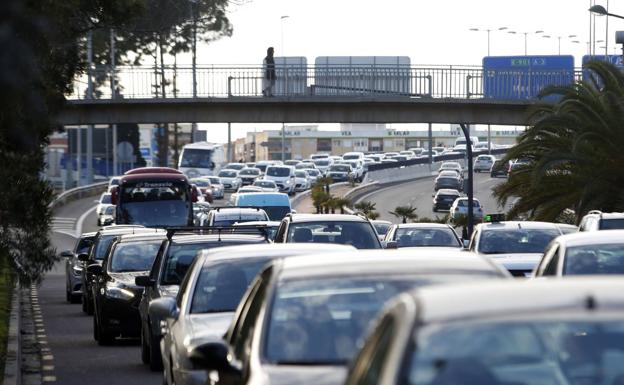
{"points": [[254, 293]]}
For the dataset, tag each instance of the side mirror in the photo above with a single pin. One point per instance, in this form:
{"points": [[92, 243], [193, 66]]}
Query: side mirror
{"points": [[95, 269], [83, 257], [392, 245], [163, 307], [211, 165], [67, 254], [144, 281], [212, 356]]}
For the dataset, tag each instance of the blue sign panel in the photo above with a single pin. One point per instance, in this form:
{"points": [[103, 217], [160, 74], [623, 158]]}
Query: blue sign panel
{"points": [[524, 77], [616, 60]]}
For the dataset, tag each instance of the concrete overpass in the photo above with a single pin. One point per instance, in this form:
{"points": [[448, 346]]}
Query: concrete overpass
{"points": [[297, 109]]}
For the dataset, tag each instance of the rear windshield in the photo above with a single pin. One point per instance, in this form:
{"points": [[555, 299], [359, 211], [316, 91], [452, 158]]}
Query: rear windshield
{"points": [[339, 168], [516, 240], [228, 174], [422, 237], [611, 224], [250, 172], [131, 256], [353, 156], [229, 220], [357, 234]]}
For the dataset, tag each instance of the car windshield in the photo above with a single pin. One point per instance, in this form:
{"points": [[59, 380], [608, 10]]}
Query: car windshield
{"points": [[262, 167], [101, 246], [423, 237], [155, 203], [516, 240], [215, 180], [555, 352], [594, 259], [235, 166], [381, 228], [300, 174], [221, 285], [250, 172], [228, 219], [611, 224], [201, 182], [357, 234], [340, 168], [276, 213], [106, 198], [352, 156], [193, 157], [313, 172], [320, 321], [321, 162], [109, 210], [178, 259], [228, 174], [134, 256], [278, 171]]}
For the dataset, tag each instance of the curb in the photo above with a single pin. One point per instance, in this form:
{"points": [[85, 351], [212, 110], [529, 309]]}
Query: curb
{"points": [[12, 365]]}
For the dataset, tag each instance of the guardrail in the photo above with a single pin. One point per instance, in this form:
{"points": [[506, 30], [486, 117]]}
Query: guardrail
{"points": [[218, 81], [77, 193], [437, 158]]}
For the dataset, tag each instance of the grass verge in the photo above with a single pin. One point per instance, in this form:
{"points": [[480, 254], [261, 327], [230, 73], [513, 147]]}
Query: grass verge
{"points": [[7, 279]]}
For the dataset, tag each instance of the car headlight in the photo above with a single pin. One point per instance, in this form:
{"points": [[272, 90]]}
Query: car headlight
{"points": [[77, 269], [119, 293], [288, 181]]}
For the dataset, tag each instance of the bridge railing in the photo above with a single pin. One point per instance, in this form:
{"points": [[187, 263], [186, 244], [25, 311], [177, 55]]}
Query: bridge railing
{"points": [[458, 82]]}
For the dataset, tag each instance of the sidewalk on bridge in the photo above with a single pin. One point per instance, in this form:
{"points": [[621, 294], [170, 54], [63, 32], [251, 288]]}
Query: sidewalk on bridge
{"points": [[305, 206]]}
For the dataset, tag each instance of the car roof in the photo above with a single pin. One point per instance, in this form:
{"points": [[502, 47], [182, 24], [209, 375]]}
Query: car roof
{"points": [[238, 210], [429, 225], [183, 238], [270, 250], [425, 260], [611, 215], [258, 223], [592, 238], [518, 225], [114, 230], [448, 191], [88, 235], [159, 235], [380, 221], [522, 297], [300, 218]]}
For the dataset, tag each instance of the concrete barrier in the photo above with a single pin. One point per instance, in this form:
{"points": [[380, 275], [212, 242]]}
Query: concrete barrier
{"points": [[294, 202], [78, 193], [401, 173]]}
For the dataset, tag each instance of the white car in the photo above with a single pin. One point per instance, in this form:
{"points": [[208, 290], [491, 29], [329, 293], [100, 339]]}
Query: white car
{"points": [[217, 187], [230, 179], [460, 207], [266, 185], [105, 200], [313, 174], [302, 181], [323, 164], [283, 176], [516, 245], [408, 153], [354, 155], [358, 169], [484, 163], [451, 166]]}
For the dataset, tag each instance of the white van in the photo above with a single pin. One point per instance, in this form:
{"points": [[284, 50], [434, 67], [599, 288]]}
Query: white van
{"points": [[355, 155], [283, 176]]}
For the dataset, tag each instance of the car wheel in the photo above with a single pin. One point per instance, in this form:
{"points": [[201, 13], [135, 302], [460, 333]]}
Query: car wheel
{"points": [[156, 362], [75, 298], [105, 338], [145, 354]]}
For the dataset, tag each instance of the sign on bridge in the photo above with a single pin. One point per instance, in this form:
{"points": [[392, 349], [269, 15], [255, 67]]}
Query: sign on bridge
{"points": [[524, 77]]}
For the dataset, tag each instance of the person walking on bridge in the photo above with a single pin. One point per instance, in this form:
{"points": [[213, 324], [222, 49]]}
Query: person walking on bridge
{"points": [[268, 81]]}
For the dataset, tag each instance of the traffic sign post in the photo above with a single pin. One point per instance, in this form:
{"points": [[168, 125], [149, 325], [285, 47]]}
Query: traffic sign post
{"points": [[524, 77]]}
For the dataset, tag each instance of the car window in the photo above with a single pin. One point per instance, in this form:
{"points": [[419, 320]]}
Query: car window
{"points": [[228, 174], [84, 245], [221, 285], [515, 240], [178, 259], [133, 256], [611, 224], [106, 198], [358, 234], [553, 263], [278, 171], [594, 259], [376, 352], [423, 237]]}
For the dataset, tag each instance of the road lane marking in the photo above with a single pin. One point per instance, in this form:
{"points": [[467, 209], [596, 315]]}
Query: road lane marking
{"points": [[82, 219]]}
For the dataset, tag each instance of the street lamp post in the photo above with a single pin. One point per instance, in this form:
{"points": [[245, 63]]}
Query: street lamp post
{"points": [[526, 34], [488, 30], [282, 18], [602, 11], [559, 40]]}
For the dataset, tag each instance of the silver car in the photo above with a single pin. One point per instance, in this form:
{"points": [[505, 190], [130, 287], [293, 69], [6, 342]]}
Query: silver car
{"points": [[215, 286], [73, 267], [218, 191], [230, 180]]}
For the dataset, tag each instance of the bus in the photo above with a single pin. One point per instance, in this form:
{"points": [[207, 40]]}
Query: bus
{"points": [[153, 197], [201, 159]]}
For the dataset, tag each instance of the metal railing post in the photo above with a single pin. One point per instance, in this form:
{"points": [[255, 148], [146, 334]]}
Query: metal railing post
{"points": [[229, 86]]}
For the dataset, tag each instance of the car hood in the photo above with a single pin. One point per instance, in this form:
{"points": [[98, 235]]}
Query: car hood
{"points": [[304, 374], [209, 327], [525, 261]]}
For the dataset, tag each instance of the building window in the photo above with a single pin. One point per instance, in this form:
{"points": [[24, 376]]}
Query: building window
{"points": [[388, 143], [324, 145], [347, 143]]}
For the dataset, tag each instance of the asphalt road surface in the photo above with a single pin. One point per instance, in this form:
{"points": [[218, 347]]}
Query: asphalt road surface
{"points": [[419, 193], [77, 357]]}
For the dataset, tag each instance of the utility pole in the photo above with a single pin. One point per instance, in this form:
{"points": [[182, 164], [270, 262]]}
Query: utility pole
{"points": [[466, 131], [90, 96], [283, 143], [194, 64], [430, 134], [113, 96], [229, 150]]}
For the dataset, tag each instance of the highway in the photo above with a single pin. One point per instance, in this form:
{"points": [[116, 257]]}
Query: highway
{"points": [[419, 193], [77, 357]]}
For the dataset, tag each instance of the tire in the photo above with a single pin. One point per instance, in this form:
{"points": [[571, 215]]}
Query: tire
{"points": [[68, 295], [104, 337], [145, 354], [75, 298], [84, 303], [156, 363]]}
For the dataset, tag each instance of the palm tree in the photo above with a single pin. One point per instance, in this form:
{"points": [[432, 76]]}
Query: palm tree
{"points": [[574, 150], [324, 182], [342, 203], [405, 213], [367, 208]]}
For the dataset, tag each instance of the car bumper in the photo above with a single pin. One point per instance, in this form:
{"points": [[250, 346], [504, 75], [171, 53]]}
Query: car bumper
{"points": [[482, 167]]}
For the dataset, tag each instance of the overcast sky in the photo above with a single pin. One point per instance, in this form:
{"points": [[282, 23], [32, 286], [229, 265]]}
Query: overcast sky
{"points": [[429, 32]]}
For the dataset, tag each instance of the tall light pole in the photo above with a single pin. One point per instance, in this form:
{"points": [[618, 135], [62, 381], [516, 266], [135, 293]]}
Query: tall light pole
{"points": [[282, 18], [488, 30], [559, 40], [526, 34], [600, 10]]}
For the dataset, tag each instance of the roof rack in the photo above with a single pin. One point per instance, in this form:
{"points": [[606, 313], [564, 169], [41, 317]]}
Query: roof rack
{"points": [[207, 230]]}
